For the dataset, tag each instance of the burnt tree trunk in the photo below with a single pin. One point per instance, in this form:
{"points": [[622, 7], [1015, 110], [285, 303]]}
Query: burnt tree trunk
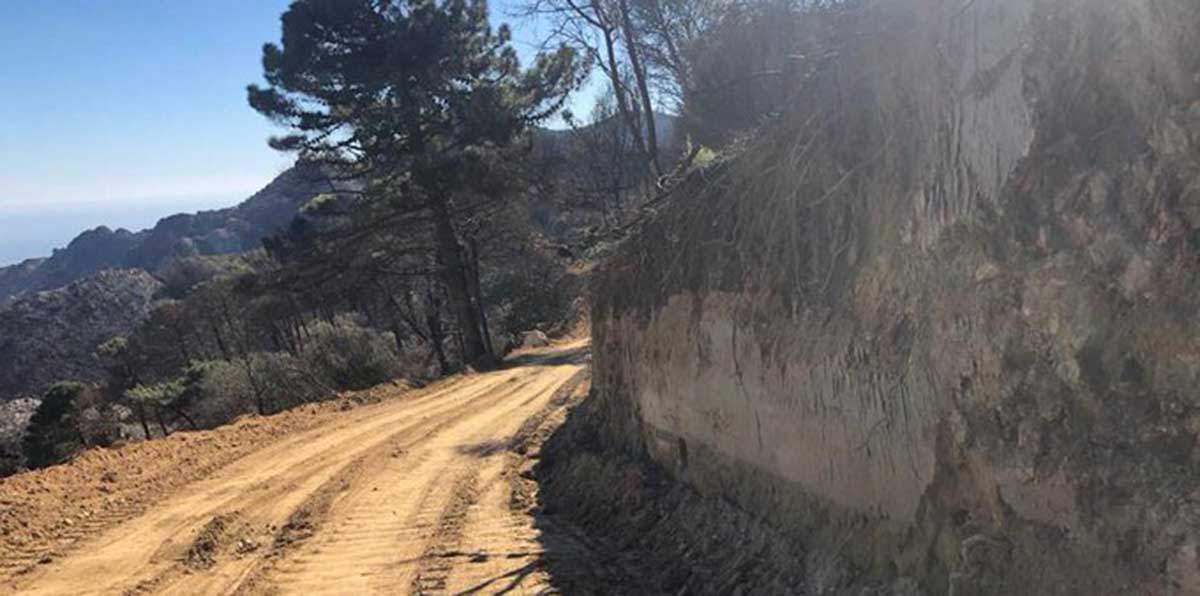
{"points": [[437, 335], [455, 277], [141, 412], [627, 113], [477, 292], [162, 425], [639, 76], [180, 412]]}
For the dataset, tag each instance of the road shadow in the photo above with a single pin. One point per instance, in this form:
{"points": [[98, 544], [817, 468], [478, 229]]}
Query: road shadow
{"points": [[578, 355], [567, 559], [486, 448], [571, 568], [576, 558]]}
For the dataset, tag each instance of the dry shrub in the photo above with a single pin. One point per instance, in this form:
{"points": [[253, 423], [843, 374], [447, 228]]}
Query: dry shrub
{"points": [[14, 419], [343, 354], [97, 420], [221, 391], [536, 295], [282, 380], [337, 355]]}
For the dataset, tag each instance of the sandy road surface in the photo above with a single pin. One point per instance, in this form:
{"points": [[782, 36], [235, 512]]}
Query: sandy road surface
{"points": [[411, 496]]}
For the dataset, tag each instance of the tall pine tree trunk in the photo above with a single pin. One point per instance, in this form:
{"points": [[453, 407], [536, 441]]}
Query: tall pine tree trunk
{"points": [[639, 76], [623, 107], [477, 291], [454, 275]]}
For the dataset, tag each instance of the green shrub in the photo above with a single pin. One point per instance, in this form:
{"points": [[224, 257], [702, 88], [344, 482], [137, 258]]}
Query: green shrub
{"points": [[51, 435]]}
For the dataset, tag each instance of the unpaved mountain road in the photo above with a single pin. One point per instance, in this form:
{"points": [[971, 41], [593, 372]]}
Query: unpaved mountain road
{"points": [[423, 494]]}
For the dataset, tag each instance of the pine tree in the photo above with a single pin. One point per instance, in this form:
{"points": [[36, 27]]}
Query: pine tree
{"points": [[52, 435], [409, 96]]}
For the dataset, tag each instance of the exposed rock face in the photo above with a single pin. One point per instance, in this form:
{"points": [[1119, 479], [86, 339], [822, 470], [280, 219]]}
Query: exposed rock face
{"points": [[943, 320], [50, 336], [223, 231]]}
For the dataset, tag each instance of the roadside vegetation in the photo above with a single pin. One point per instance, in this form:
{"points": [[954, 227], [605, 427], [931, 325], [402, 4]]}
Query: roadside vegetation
{"points": [[454, 221]]}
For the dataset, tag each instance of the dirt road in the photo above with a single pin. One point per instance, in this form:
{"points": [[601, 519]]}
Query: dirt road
{"points": [[416, 495]]}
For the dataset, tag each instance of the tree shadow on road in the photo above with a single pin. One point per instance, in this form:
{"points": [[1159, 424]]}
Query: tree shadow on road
{"points": [[578, 356]]}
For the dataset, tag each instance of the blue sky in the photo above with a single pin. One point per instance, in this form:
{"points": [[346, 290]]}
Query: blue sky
{"points": [[118, 112]]}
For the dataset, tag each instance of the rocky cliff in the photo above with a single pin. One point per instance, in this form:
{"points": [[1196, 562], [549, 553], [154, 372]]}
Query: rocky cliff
{"points": [[941, 320]]}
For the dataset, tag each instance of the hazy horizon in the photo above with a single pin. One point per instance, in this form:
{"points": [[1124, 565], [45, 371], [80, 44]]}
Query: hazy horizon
{"points": [[122, 134], [37, 231]]}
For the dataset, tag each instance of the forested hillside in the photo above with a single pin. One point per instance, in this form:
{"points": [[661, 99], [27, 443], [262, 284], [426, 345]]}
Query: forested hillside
{"points": [[52, 335]]}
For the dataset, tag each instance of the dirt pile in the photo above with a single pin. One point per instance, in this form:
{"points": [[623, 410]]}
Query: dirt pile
{"points": [[222, 532], [939, 321]]}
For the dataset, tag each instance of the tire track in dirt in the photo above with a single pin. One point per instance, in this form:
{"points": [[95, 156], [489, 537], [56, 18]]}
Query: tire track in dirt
{"points": [[405, 452], [115, 499], [510, 547], [392, 498], [306, 519], [265, 487], [381, 531], [434, 566]]}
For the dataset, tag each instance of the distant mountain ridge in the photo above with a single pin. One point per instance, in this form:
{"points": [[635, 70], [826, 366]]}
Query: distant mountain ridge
{"points": [[222, 231]]}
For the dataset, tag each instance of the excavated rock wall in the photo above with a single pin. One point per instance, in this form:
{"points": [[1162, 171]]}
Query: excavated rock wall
{"points": [[942, 319]]}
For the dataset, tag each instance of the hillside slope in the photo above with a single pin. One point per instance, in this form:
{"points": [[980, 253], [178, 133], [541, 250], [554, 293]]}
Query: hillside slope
{"points": [[51, 336]]}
